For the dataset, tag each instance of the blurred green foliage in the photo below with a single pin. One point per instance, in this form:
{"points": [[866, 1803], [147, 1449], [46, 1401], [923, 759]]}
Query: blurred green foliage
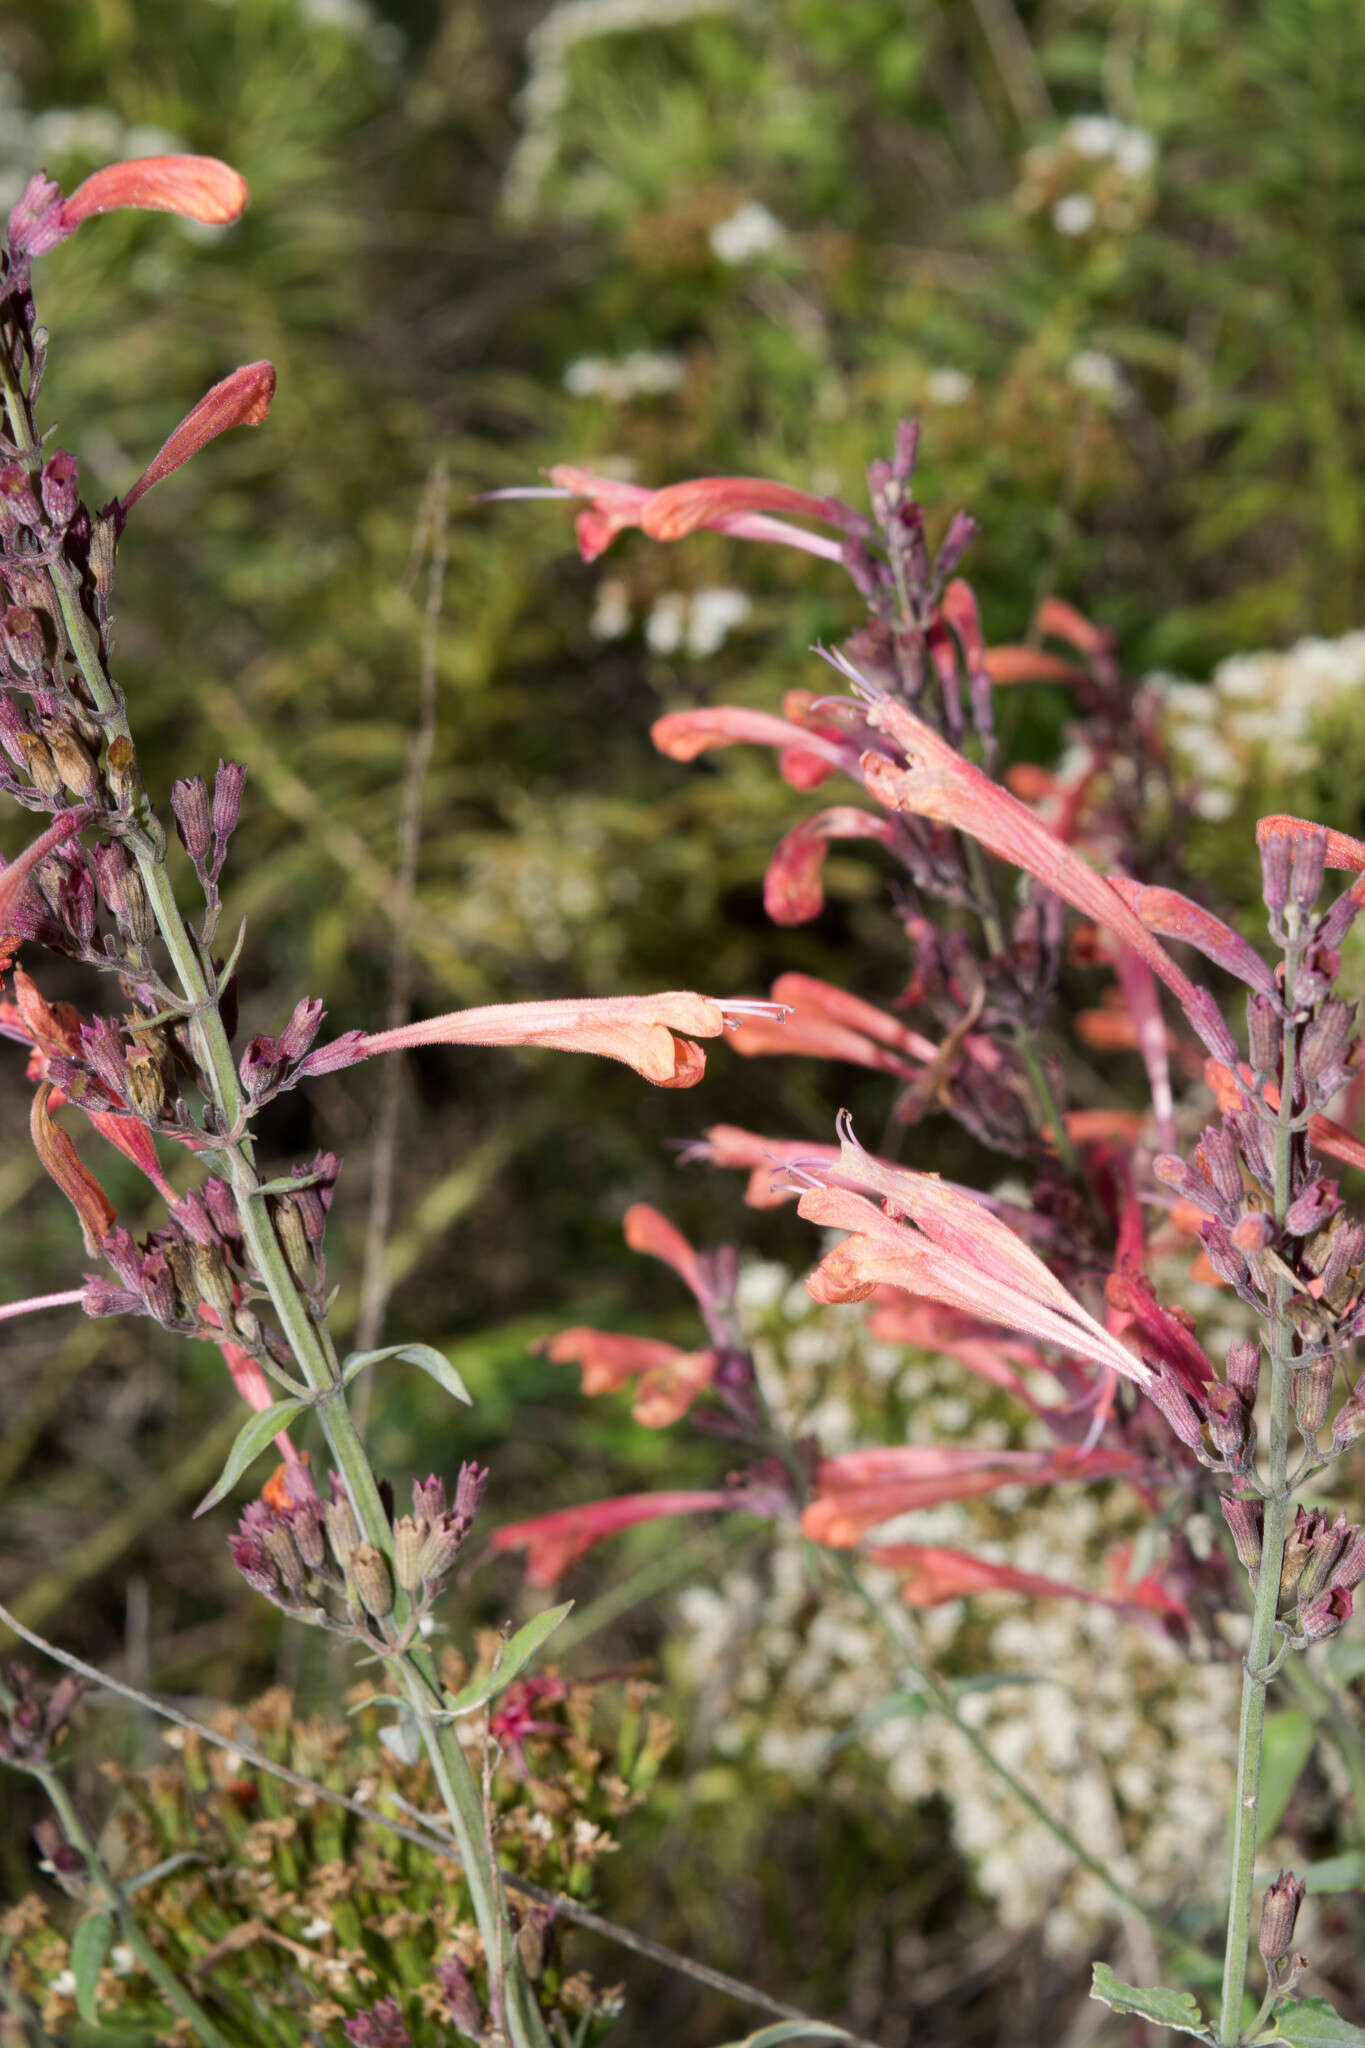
{"points": [[1137, 349]]}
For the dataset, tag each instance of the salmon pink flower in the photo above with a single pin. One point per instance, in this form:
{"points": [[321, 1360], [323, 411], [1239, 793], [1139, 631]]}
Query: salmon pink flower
{"points": [[825, 1022], [554, 1543], [644, 1032], [198, 187], [59, 1156], [933, 1574], [667, 1378], [805, 755], [862, 1489], [764, 1159], [240, 400], [938, 784], [792, 888], [737, 505], [14, 878]]}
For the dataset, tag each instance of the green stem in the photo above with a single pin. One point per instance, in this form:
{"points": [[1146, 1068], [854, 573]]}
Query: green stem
{"points": [[167, 1983], [1261, 1648], [317, 1363]]}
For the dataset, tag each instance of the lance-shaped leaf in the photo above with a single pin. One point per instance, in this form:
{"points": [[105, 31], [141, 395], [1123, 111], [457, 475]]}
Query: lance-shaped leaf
{"points": [[641, 1031], [254, 1436], [14, 877], [1173, 916], [667, 1378], [555, 1542], [240, 400], [793, 888], [862, 1489], [938, 784], [61, 1160], [1159, 2007], [89, 1947], [517, 1653], [426, 1357], [822, 1021]]}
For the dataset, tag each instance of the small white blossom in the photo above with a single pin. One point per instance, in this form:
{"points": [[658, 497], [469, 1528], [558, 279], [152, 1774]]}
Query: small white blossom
{"points": [[611, 613], [664, 626], [1074, 213], [750, 232], [949, 387], [1091, 370], [712, 617]]}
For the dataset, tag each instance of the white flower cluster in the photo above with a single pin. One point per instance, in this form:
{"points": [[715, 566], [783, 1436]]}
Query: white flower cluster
{"points": [[1257, 714], [1129, 1743], [747, 234], [1096, 174], [644, 373], [700, 621]]}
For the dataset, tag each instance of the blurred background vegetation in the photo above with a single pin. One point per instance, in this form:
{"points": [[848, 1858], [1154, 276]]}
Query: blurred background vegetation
{"points": [[1109, 251]]}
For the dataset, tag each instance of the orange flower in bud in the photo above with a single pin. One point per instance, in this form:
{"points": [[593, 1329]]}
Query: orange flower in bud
{"points": [[240, 400], [61, 1159], [638, 1030]]}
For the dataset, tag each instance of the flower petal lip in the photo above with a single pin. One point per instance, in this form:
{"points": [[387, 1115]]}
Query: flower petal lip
{"points": [[202, 188], [241, 399]]}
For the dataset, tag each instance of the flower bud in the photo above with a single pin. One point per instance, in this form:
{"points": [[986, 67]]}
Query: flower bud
{"points": [[158, 1289], [228, 785], [343, 1531], [1322, 1617], [1244, 1368], [1227, 1421], [255, 1564], [24, 640], [294, 1238], [1349, 1569], [305, 1519], [1275, 861], [280, 1547], [441, 1545], [1245, 1517], [1308, 866], [59, 488], [74, 762], [1189, 1182], [1325, 1037], [1314, 1206], [1263, 1034], [1311, 1389], [120, 770], [369, 1574], [1222, 1254], [190, 802], [1254, 1232], [1348, 1426], [1279, 1911], [1219, 1158], [43, 771], [428, 1500], [1298, 1548], [408, 1538], [18, 506], [1329, 1542]]}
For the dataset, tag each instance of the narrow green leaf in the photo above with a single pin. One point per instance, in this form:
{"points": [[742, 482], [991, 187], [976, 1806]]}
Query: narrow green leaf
{"points": [[160, 1870], [1311, 2023], [251, 1439], [1345, 1873], [790, 2030], [431, 1361], [1161, 2007], [1287, 1747], [89, 1947], [517, 1653]]}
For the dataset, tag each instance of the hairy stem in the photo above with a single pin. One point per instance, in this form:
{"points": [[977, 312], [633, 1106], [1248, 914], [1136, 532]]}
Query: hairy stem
{"points": [[1260, 1650]]}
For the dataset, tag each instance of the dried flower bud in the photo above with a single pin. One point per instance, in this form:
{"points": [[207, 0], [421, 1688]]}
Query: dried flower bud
{"points": [[43, 771], [1264, 1034], [1222, 1254], [343, 1531], [1221, 1161], [146, 1081], [1312, 1207], [408, 1538], [280, 1546], [1348, 1426], [1191, 1183], [228, 785], [292, 1235], [1349, 1569], [305, 1518], [190, 802], [24, 640], [1244, 1369], [120, 770], [1279, 1911], [1329, 1541], [369, 1574], [303, 1027], [1227, 1421], [1312, 1394], [535, 1938], [1298, 1548], [18, 506], [59, 488], [1308, 864], [158, 1289], [1325, 1037], [1323, 1616], [213, 1282], [1245, 1517]]}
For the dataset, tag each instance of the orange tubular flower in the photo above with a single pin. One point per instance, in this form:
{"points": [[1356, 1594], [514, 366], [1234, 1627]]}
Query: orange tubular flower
{"points": [[668, 1379], [934, 1574], [59, 1156], [202, 188], [793, 891], [825, 1022], [737, 505], [860, 1490], [553, 1543], [240, 400], [14, 878], [638, 1030]]}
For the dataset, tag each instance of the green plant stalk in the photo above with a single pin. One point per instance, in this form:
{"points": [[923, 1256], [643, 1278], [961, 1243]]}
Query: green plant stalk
{"points": [[165, 1979], [459, 1791], [1261, 1647]]}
